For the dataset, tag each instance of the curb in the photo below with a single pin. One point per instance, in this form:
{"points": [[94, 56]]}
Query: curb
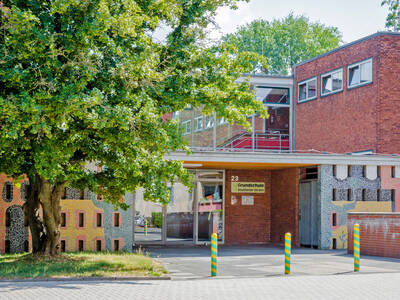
{"points": [[86, 279]]}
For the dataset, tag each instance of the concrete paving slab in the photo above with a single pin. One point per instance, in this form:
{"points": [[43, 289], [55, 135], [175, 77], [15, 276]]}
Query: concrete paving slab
{"points": [[261, 261]]}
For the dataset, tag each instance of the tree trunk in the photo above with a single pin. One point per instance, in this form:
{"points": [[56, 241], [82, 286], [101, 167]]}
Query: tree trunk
{"points": [[44, 230]]}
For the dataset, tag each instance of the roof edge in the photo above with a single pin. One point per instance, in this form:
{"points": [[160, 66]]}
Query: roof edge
{"points": [[376, 34]]}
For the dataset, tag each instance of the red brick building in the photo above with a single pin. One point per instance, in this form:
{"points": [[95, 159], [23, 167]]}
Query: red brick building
{"points": [[348, 99]]}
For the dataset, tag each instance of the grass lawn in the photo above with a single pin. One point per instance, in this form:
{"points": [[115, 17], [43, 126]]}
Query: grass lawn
{"points": [[82, 264]]}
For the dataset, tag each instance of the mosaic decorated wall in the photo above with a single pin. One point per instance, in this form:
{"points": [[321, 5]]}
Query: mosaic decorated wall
{"points": [[83, 232], [14, 236], [92, 232], [345, 189]]}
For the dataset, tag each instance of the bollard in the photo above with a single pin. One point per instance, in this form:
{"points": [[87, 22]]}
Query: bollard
{"points": [[145, 227], [214, 254], [356, 248], [288, 249]]}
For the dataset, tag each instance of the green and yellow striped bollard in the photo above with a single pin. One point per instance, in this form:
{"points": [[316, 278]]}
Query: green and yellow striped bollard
{"points": [[214, 254], [356, 248], [288, 249], [145, 227]]}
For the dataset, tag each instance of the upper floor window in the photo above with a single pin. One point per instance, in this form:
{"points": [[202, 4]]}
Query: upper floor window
{"points": [[209, 122], [272, 95], [332, 82], [198, 124], [307, 90], [359, 73], [187, 126]]}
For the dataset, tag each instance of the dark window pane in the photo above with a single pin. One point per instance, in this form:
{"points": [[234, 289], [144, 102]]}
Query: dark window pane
{"points": [[81, 219], [98, 245], [116, 245], [63, 220], [116, 220], [99, 219], [62, 246], [302, 91], [80, 245], [354, 75], [312, 88]]}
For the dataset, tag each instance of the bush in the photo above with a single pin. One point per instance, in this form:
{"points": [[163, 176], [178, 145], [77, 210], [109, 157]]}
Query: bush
{"points": [[156, 219]]}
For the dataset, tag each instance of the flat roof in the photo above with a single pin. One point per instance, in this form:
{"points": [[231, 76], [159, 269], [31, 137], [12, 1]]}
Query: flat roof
{"points": [[379, 33], [266, 160]]}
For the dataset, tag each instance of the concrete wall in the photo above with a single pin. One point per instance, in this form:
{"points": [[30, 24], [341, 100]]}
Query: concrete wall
{"points": [[379, 233]]}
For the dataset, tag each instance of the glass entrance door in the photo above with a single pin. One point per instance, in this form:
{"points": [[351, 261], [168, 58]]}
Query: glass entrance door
{"points": [[210, 211]]}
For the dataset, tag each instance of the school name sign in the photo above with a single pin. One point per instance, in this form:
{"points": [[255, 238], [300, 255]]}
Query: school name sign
{"points": [[248, 187]]}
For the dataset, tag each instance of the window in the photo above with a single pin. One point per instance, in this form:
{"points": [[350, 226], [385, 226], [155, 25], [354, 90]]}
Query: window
{"points": [[332, 82], [116, 219], [209, 122], [378, 195], [334, 219], [98, 245], [99, 220], [307, 90], [222, 121], [63, 219], [7, 248], [359, 73], [334, 195], [272, 95], [349, 171], [8, 218], [349, 195], [81, 219], [116, 245], [26, 246], [62, 245], [393, 196], [187, 127], [393, 172], [80, 245], [198, 124], [334, 243], [364, 195]]}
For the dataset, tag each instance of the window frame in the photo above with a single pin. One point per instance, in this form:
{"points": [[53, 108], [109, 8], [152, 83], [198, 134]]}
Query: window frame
{"points": [[184, 127], [359, 63], [196, 122], [330, 73], [306, 81], [278, 88]]}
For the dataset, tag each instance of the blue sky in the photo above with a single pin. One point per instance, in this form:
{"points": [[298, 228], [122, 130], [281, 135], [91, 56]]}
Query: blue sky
{"points": [[354, 18]]}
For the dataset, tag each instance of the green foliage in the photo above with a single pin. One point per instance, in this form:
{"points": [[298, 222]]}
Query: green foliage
{"points": [[393, 18], [285, 42], [156, 219], [87, 82]]}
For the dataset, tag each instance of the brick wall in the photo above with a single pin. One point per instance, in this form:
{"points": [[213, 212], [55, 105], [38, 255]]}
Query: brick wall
{"points": [[358, 119], [379, 233], [247, 224], [389, 95], [285, 205]]}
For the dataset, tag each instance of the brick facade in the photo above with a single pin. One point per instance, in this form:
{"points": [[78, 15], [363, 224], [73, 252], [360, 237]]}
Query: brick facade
{"points": [[357, 119], [379, 233], [247, 224], [285, 205]]}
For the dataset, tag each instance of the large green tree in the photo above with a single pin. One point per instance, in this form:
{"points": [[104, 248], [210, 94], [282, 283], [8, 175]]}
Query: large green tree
{"points": [[85, 81], [285, 42], [393, 17]]}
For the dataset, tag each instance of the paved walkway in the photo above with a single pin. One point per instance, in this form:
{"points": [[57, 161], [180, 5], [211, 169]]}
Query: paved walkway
{"points": [[262, 261], [360, 286]]}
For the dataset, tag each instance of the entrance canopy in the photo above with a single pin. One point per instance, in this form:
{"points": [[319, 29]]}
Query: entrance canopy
{"points": [[275, 161]]}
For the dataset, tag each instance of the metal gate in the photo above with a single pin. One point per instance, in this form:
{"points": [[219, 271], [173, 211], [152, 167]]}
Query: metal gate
{"points": [[308, 214]]}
